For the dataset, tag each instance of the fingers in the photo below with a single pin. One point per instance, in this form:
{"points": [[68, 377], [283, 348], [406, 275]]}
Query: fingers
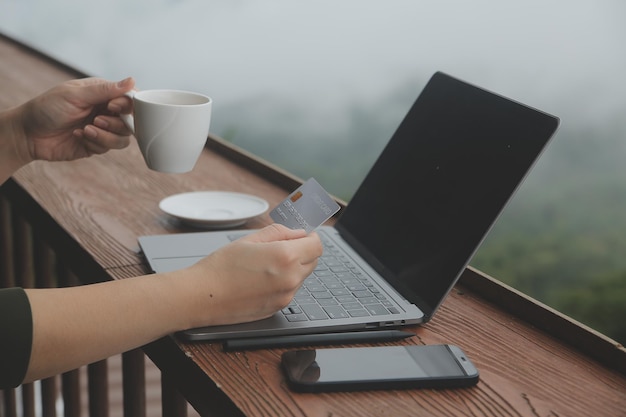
{"points": [[100, 93], [309, 247], [112, 124], [275, 232], [120, 105], [110, 132], [107, 130], [98, 139], [97, 91], [254, 276]]}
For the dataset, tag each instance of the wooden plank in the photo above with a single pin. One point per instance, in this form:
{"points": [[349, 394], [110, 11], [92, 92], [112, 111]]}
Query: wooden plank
{"points": [[134, 383], [24, 74], [590, 342], [174, 404], [49, 395], [7, 268], [28, 400], [98, 389], [207, 398], [523, 371], [9, 403], [70, 387]]}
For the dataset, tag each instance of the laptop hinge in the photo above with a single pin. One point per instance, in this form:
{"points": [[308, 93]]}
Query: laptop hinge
{"points": [[390, 277]]}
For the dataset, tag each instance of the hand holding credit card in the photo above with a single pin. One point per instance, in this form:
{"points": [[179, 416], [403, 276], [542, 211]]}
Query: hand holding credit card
{"points": [[306, 208]]}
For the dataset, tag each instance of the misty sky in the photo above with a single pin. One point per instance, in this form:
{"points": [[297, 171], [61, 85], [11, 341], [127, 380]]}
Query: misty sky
{"points": [[299, 68], [327, 52]]}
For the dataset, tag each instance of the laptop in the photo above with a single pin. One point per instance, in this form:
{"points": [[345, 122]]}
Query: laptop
{"points": [[412, 226]]}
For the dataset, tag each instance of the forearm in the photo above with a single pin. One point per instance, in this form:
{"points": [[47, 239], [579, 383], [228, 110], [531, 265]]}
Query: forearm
{"points": [[80, 325], [13, 151], [249, 279]]}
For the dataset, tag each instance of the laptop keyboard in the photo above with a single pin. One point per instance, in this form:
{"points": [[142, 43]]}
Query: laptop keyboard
{"points": [[337, 289]]}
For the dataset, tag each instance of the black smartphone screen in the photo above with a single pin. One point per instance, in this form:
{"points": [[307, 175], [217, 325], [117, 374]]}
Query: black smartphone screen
{"points": [[386, 367]]}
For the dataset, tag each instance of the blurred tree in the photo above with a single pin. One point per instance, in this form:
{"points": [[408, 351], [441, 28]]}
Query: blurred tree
{"points": [[600, 304]]}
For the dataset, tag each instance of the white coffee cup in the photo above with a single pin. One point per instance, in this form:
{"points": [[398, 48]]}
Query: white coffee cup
{"points": [[171, 127]]}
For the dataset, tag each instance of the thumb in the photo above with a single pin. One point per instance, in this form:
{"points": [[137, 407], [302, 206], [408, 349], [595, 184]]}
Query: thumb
{"points": [[100, 91]]}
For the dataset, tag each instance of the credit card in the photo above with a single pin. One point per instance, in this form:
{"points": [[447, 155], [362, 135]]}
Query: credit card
{"points": [[306, 208]]}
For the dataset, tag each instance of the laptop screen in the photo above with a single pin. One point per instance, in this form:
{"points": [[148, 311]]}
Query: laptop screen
{"points": [[438, 186]]}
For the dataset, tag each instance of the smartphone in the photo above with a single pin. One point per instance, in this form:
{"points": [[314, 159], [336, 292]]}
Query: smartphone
{"points": [[373, 368]]}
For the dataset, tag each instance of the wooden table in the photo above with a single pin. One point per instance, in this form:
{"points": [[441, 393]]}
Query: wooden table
{"points": [[94, 210]]}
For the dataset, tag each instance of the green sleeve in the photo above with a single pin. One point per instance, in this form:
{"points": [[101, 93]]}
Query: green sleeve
{"points": [[16, 336]]}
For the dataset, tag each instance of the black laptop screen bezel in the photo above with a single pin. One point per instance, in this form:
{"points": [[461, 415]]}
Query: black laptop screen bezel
{"points": [[439, 185]]}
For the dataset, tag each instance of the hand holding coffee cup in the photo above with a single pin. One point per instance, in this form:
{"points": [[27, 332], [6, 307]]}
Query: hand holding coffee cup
{"points": [[171, 127]]}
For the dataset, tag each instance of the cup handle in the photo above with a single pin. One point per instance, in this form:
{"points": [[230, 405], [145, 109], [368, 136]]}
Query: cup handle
{"points": [[129, 119]]}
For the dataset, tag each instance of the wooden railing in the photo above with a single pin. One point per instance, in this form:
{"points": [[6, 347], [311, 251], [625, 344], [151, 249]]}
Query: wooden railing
{"points": [[27, 260]]}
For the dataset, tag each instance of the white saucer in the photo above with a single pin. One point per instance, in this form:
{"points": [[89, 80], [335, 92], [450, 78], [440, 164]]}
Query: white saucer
{"points": [[213, 209]]}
